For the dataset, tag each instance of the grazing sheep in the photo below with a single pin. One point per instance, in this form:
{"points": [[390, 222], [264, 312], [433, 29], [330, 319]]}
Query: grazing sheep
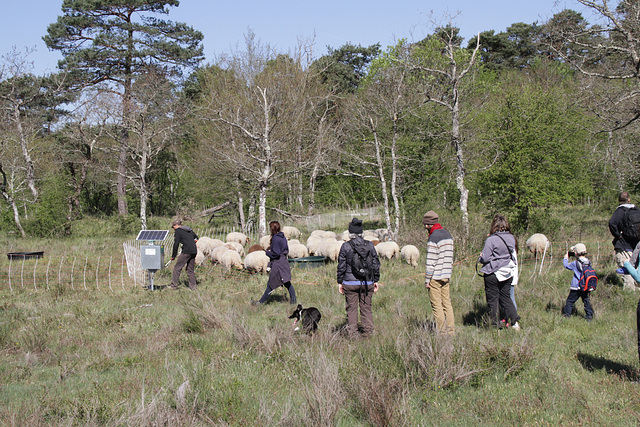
{"points": [[291, 232], [235, 236], [256, 262], [297, 250], [372, 239], [217, 253], [231, 259], [313, 242], [345, 236], [537, 244], [254, 248], [388, 250], [265, 242], [410, 254], [330, 248], [235, 246], [207, 244], [317, 233], [329, 235], [370, 233], [200, 257]]}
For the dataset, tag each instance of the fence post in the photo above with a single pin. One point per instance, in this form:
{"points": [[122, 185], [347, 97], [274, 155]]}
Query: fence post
{"points": [[59, 271], [10, 261], [97, 270], [35, 266], [110, 259], [47, 275], [84, 273], [73, 266]]}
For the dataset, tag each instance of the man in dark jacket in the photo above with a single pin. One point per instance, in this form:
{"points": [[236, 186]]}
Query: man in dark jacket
{"points": [[358, 288], [622, 248], [188, 238]]}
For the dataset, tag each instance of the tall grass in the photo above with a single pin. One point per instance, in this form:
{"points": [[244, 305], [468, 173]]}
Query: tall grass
{"points": [[136, 357]]}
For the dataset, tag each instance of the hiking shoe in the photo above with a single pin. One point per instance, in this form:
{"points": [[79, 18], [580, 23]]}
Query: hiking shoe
{"points": [[516, 326]]}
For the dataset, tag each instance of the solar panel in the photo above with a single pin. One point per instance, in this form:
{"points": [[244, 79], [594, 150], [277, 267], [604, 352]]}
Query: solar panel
{"points": [[152, 235]]}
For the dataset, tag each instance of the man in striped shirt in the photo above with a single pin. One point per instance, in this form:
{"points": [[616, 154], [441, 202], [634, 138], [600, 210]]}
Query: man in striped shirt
{"points": [[438, 274]]}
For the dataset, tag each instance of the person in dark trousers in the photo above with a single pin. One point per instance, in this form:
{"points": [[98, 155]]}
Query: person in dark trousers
{"points": [[575, 293], [358, 291], [187, 257], [499, 265], [622, 248], [280, 271]]}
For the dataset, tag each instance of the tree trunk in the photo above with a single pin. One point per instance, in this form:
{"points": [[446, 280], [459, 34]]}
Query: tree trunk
{"points": [[11, 202], [30, 169], [460, 169], [144, 193], [383, 181], [394, 177], [312, 189]]}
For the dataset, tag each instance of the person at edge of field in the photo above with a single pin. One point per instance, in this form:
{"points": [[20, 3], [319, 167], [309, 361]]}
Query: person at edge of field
{"points": [[439, 267], [577, 266], [358, 292], [622, 248], [279, 268], [499, 266], [187, 257], [632, 268]]}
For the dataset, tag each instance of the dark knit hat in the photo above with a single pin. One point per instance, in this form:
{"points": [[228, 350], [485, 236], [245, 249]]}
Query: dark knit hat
{"points": [[430, 218], [355, 226]]}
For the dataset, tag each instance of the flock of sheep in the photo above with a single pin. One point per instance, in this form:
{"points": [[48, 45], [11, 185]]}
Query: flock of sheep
{"points": [[231, 254]]}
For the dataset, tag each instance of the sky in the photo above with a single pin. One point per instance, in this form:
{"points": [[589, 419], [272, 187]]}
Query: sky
{"points": [[281, 23]]}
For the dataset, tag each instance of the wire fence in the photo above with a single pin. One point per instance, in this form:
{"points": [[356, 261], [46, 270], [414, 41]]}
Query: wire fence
{"points": [[123, 271]]}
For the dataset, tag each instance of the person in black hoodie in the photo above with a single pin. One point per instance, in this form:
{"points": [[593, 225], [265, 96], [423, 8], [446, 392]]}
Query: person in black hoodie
{"points": [[188, 238], [623, 249], [358, 287]]}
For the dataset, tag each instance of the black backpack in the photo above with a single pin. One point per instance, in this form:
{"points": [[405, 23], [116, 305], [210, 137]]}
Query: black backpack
{"points": [[588, 280], [361, 261], [630, 223]]}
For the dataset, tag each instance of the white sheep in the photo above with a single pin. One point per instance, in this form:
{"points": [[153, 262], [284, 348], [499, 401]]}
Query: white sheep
{"points": [[330, 248], [345, 236], [231, 259], [235, 246], [291, 232], [265, 242], [329, 235], [217, 253], [388, 250], [207, 244], [410, 254], [236, 236], [313, 242], [200, 257], [298, 250], [256, 262], [537, 244], [317, 233]]}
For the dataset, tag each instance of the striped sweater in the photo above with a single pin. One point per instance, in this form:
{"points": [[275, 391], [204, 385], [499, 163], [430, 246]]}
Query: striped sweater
{"points": [[439, 255]]}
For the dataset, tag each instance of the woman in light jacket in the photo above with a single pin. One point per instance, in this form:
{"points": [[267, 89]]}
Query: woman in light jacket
{"points": [[500, 267]]}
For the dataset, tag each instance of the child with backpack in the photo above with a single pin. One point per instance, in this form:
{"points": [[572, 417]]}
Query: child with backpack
{"points": [[583, 282]]}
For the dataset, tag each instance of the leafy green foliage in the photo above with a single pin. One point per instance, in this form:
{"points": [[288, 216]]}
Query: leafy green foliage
{"points": [[536, 136]]}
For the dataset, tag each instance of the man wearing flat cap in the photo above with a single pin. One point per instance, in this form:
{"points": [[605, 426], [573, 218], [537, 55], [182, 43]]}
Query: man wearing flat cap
{"points": [[438, 273]]}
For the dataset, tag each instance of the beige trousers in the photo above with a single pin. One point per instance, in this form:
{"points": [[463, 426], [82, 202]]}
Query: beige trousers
{"points": [[441, 305]]}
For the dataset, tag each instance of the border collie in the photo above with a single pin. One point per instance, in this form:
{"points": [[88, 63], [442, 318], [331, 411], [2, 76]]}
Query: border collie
{"points": [[309, 316]]}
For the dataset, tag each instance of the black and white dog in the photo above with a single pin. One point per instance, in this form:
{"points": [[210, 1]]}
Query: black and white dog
{"points": [[309, 316]]}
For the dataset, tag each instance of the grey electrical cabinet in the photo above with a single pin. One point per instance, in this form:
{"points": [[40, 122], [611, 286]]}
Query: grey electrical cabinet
{"points": [[152, 257]]}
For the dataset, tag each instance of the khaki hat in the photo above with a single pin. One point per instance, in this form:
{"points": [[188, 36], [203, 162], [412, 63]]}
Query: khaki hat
{"points": [[579, 249]]}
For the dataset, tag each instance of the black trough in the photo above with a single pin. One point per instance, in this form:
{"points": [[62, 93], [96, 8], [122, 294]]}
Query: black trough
{"points": [[25, 255], [309, 261]]}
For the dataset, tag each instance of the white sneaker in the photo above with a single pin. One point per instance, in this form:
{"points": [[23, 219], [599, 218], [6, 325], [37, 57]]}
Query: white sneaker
{"points": [[516, 326]]}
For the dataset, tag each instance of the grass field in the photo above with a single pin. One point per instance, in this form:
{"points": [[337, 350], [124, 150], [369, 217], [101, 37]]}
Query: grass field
{"points": [[129, 356]]}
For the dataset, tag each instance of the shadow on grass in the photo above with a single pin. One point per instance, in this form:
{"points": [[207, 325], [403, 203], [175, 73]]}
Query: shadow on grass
{"points": [[593, 363], [422, 324], [478, 316]]}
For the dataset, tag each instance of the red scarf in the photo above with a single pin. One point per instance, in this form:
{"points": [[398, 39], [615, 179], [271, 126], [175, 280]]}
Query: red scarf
{"points": [[434, 228]]}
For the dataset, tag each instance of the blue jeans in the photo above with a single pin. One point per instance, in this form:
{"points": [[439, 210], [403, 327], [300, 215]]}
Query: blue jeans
{"points": [[574, 295]]}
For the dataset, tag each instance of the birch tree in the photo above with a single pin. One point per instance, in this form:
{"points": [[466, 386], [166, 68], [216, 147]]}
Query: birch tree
{"points": [[443, 67]]}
